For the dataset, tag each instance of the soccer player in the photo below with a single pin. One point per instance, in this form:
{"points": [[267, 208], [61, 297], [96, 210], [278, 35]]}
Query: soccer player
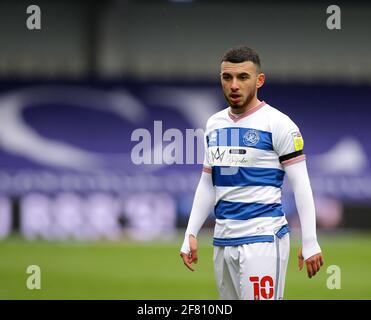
{"points": [[249, 146]]}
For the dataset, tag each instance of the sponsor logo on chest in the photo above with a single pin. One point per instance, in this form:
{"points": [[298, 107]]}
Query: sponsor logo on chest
{"points": [[228, 156]]}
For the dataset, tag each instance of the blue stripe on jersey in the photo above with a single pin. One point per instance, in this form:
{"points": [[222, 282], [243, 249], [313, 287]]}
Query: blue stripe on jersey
{"points": [[244, 211], [282, 231], [247, 176], [240, 137], [222, 242]]}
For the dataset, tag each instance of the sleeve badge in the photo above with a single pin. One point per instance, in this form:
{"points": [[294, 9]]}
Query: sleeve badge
{"points": [[298, 141]]}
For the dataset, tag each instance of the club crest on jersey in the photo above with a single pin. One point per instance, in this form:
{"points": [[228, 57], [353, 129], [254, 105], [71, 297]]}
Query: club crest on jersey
{"points": [[251, 138]]}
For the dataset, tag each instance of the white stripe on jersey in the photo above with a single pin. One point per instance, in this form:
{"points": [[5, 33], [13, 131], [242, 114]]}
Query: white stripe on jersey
{"points": [[258, 194], [227, 228], [221, 156]]}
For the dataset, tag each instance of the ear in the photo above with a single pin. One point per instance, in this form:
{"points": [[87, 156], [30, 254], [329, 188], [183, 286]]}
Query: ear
{"points": [[260, 81]]}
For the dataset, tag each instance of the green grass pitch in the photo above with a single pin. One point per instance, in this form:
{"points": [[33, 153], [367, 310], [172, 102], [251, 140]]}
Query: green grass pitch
{"points": [[132, 270]]}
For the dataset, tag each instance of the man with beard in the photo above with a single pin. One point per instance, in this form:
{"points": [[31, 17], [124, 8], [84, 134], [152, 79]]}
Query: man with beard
{"points": [[249, 146]]}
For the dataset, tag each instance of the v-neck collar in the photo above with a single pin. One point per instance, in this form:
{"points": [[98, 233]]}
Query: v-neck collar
{"points": [[246, 113]]}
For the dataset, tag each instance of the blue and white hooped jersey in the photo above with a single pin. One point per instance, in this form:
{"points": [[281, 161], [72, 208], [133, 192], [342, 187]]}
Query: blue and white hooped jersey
{"points": [[246, 157]]}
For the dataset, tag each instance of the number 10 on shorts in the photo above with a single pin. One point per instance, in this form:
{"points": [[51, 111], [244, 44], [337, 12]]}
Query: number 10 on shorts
{"points": [[262, 287]]}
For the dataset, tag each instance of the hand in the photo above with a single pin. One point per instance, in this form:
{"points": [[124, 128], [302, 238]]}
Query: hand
{"points": [[192, 257], [313, 263]]}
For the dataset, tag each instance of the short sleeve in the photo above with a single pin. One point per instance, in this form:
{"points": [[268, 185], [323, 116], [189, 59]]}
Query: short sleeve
{"points": [[287, 141]]}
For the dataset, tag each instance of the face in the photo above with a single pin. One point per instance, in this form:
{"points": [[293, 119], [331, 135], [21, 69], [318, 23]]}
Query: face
{"points": [[240, 82]]}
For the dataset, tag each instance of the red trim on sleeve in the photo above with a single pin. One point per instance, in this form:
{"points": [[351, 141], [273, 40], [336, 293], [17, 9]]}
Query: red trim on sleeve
{"points": [[293, 160], [207, 169]]}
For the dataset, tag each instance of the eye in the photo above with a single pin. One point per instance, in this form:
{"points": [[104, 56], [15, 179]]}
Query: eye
{"points": [[244, 76], [226, 77]]}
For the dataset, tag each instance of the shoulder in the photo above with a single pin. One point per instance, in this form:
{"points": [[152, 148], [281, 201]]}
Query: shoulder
{"points": [[278, 119], [275, 114]]}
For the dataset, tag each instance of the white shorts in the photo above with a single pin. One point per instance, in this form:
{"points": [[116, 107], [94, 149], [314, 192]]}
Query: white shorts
{"points": [[253, 271]]}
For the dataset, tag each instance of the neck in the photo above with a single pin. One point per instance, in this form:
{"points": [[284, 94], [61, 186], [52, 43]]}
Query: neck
{"points": [[251, 105]]}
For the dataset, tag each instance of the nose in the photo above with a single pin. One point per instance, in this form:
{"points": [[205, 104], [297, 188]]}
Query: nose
{"points": [[234, 85]]}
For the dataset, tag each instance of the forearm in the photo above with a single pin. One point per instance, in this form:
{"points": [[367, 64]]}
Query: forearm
{"points": [[203, 203], [298, 176]]}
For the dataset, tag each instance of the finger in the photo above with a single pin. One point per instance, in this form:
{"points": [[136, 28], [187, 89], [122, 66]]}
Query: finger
{"points": [[188, 265], [300, 263], [319, 263], [314, 268], [194, 256], [321, 260], [309, 270], [300, 259], [187, 262]]}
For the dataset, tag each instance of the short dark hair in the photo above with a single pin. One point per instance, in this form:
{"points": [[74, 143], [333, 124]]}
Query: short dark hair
{"points": [[241, 54]]}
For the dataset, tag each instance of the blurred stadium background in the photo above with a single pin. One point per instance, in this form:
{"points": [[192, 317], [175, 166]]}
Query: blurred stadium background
{"points": [[71, 95]]}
